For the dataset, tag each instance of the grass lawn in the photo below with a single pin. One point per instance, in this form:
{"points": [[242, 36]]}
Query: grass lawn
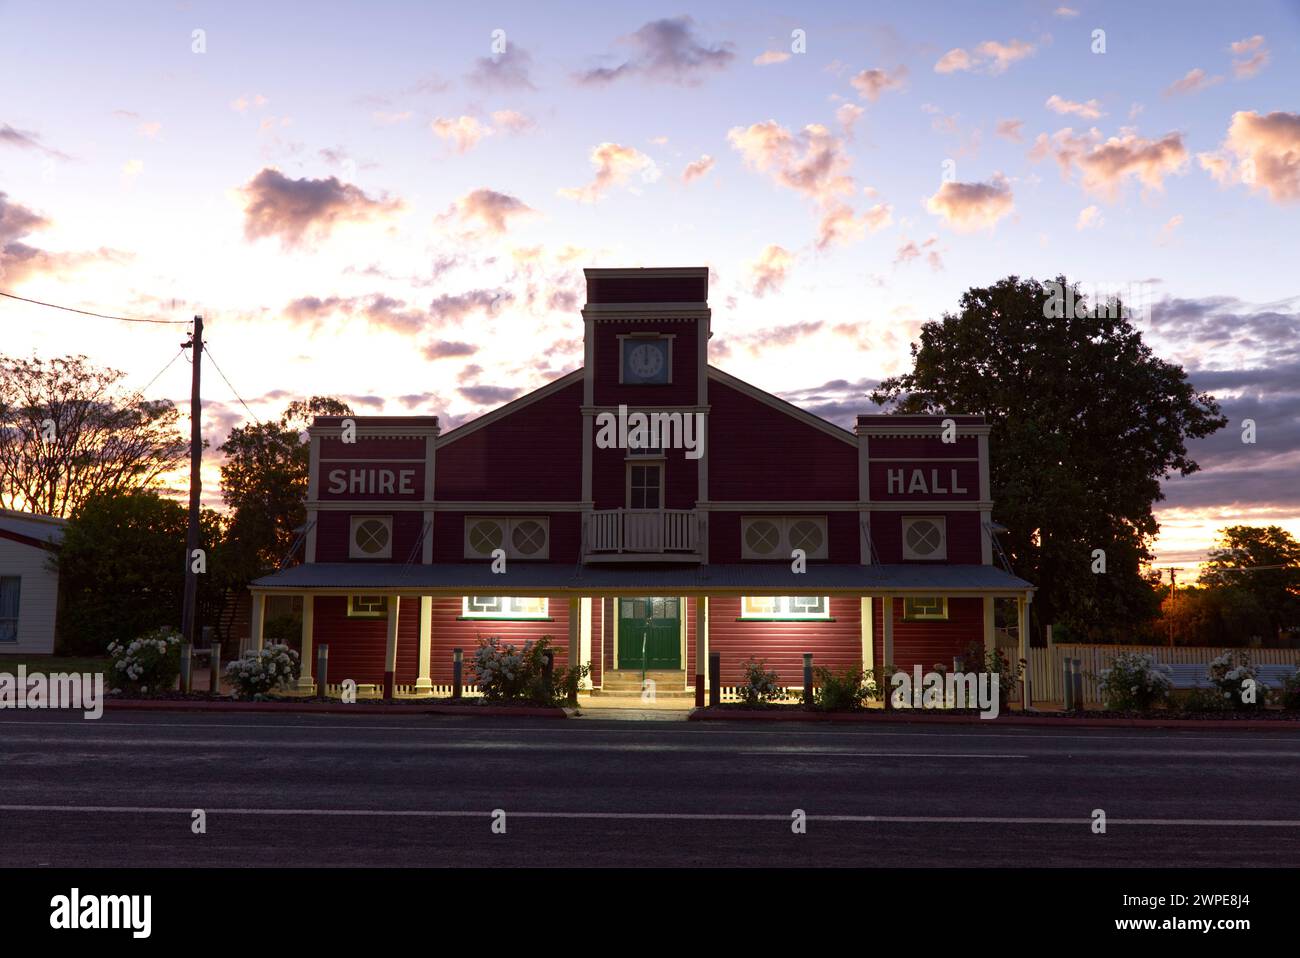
{"points": [[53, 663]]}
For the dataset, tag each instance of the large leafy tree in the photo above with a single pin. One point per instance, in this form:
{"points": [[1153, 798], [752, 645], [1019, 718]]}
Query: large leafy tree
{"points": [[1262, 562], [264, 483], [1086, 422], [120, 568], [70, 430]]}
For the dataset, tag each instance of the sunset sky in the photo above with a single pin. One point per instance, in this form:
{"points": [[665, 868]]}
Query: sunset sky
{"points": [[373, 201]]}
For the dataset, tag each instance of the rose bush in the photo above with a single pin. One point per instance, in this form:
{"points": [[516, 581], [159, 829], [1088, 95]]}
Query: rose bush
{"points": [[275, 666], [146, 664]]}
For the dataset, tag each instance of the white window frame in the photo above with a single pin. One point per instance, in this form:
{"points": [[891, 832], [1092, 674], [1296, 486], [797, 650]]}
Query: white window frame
{"points": [[354, 552], [507, 525], [783, 524], [355, 613], [506, 612], [636, 339], [652, 463], [940, 554], [940, 616], [783, 608], [17, 617]]}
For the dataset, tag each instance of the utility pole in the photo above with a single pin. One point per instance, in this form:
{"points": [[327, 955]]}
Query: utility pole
{"points": [[1173, 586], [189, 613]]}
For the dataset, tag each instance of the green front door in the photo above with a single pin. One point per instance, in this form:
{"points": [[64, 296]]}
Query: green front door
{"points": [[649, 633]]}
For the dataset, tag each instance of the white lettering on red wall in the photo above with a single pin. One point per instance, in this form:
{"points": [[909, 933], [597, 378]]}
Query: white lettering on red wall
{"points": [[370, 481], [927, 482]]}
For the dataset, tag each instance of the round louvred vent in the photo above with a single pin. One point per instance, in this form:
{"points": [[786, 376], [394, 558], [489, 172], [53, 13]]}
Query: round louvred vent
{"points": [[528, 537], [762, 537], [924, 538], [806, 535], [484, 537]]}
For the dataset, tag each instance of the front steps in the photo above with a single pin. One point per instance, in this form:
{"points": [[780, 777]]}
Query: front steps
{"points": [[668, 683]]}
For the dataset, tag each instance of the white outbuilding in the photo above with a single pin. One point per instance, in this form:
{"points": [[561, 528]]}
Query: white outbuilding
{"points": [[29, 586]]}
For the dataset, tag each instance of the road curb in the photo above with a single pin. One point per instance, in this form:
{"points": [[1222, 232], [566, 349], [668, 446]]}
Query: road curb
{"points": [[899, 718], [329, 708]]}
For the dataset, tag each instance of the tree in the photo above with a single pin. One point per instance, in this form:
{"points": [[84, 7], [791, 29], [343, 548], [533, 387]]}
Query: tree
{"points": [[1262, 562], [120, 568], [1086, 422], [69, 431], [264, 482]]}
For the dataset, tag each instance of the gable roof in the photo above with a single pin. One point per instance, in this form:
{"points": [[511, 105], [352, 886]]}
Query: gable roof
{"points": [[527, 399], [782, 406], [30, 529]]}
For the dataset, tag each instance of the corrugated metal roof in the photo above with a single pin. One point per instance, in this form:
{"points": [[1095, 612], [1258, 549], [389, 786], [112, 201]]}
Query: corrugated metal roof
{"points": [[42, 528], [762, 578]]}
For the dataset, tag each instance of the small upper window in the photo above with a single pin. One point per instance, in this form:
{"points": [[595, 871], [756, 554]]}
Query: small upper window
{"points": [[10, 586], [371, 538], [503, 607], [923, 607], [785, 607], [924, 537], [367, 606]]}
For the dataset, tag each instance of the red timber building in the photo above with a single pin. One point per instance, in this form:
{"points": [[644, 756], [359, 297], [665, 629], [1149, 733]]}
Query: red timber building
{"points": [[645, 559]]}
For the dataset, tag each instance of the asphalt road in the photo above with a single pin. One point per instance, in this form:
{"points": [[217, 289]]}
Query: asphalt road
{"points": [[351, 791]]}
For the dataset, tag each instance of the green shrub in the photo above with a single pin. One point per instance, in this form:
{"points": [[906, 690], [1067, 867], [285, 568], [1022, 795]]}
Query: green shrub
{"points": [[256, 672], [148, 664], [1135, 681], [1230, 672], [761, 686], [1204, 700], [996, 660], [1291, 690], [505, 673], [841, 691], [282, 630]]}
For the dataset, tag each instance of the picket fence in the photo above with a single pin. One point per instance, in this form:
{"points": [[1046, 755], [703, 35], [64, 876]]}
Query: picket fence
{"points": [[1046, 664]]}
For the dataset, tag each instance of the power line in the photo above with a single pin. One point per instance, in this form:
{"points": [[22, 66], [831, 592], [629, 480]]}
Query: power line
{"points": [[207, 350], [86, 312], [140, 392]]}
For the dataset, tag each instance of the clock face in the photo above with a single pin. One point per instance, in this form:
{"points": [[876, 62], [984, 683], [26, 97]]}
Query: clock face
{"points": [[646, 362]]}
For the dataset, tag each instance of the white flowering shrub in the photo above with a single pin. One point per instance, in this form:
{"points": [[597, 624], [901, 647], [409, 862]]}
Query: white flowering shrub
{"points": [[1229, 674], [1135, 681], [256, 672], [761, 686], [148, 664]]}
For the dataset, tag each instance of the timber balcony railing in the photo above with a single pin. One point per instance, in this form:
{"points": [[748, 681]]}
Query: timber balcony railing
{"points": [[642, 531]]}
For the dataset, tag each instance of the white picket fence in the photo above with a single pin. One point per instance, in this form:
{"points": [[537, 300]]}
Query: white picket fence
{"points": [[1046, 665]]}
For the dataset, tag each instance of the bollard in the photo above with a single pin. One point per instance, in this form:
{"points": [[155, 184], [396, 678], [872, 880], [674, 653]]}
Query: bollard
{"points": [[322, 668], [1068, 685], [186, 667], [715, 678], [1078, 685], [807, 679], [214, 675], [457, 664], [548, 666]]}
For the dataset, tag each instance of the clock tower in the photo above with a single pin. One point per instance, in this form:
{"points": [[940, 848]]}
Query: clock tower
{"points": [[646, 349]]}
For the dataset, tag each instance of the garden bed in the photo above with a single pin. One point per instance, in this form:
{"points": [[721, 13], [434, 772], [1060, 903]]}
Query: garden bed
{"points": [[1162, 718]]}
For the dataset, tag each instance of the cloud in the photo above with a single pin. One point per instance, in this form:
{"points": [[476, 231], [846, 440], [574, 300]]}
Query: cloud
{"points": [[1249, 56], [1267, 154], [1193, 81], [465, 131], [377, 309], [614, 163], [488, 208], [762, 340], [697, 168], [27, 140], [1167, 231], [1089, 111], [1089, 217], [385, 118], [910, 250], [847, 115], [838, 401], [770, 57], [871, 83], [489, 395], [991, 56], [812, 162], [972, 206], [445, 349], [512, 121], [768, 272], [305, 209], [242, 103], [1066, 12], [839, 224], [1105, 166], [506, 71], [667, 51], [457, 307], [1011, 129], [19, 260]]}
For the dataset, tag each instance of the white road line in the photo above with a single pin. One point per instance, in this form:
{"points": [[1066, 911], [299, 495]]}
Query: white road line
{"points": [[345, 723], [657, 816]]}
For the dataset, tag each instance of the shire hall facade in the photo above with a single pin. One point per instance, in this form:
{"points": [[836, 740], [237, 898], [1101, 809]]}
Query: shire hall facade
{"points": [[779, 534]]}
